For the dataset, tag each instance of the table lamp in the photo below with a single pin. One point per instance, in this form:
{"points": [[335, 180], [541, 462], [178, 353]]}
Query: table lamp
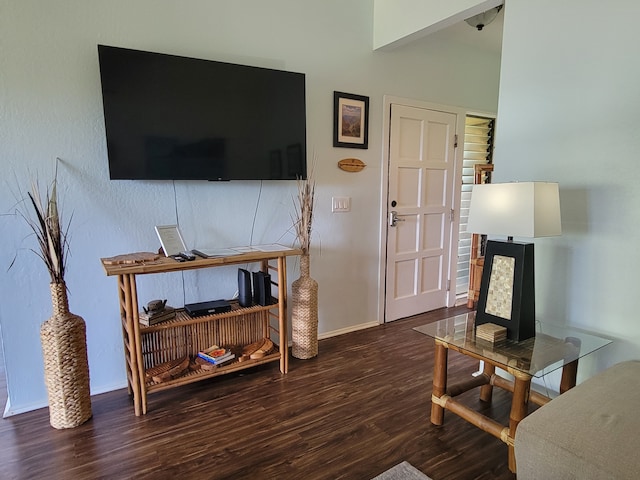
{"points": [[507, 289]]}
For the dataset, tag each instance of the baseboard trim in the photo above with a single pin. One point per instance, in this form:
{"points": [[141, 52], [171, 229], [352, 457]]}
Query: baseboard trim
{"points": [[342, 331], [9, 411]]}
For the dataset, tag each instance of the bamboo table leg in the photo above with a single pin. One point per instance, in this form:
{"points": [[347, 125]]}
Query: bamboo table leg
{"points": [[126, 332], [130, 303], [519, 409], [486, 391], [138, 346], [282, 314], [570, 370], [569, 376], [439, 383]]}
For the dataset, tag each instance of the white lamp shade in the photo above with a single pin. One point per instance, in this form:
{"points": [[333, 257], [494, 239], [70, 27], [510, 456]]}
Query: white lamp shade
{"points": [[523, 209]]}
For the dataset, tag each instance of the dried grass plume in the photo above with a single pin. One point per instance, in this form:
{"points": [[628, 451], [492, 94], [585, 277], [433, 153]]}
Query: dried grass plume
{"points": [[43, 217], [304, 212]]}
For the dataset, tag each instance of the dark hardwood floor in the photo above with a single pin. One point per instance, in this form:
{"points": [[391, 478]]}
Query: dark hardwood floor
{"points": [[356, 410]]}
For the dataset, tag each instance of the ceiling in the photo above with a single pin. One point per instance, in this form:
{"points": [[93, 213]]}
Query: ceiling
{"points": [[489, 38]]}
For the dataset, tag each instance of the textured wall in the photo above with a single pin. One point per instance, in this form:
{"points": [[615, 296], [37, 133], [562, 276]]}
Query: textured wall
{"points": [[568, 113], [51, 106]]}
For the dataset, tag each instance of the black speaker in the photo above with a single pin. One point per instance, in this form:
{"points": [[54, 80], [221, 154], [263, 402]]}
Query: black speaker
{"points": [[244, 288], [262, 288]]}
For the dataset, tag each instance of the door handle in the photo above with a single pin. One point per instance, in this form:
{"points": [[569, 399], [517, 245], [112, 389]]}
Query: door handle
{"points": [[393, 218]]}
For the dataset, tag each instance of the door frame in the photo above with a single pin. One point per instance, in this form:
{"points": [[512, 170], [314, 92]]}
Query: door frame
{"points": [[460, 113]]}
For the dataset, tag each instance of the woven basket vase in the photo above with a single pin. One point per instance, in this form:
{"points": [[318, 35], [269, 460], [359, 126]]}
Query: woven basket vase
{"points": [[66, 368], [304, 313]]}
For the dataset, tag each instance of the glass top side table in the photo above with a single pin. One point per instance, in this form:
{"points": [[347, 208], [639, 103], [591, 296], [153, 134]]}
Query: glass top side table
{"points": [[552, 348]]}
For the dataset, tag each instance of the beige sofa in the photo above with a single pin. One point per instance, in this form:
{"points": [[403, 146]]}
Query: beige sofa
{"points": [[590, 432]]}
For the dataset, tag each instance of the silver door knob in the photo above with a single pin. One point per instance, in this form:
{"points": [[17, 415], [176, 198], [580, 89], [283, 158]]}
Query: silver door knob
{"points": [[393, 218]]}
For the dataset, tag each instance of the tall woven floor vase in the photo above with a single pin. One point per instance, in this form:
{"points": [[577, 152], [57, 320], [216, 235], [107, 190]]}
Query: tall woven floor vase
{"points": [[66, 368], [304, 313]]}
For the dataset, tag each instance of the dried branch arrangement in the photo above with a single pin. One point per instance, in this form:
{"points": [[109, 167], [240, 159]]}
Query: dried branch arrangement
{"points": [[46, 226], [304, 212]]}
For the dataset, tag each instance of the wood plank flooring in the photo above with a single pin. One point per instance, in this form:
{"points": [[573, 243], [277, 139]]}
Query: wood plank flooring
{"points": [[356, 410]]}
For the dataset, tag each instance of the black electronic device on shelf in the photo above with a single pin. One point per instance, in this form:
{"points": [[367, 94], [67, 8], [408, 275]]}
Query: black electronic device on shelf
{"points": [[262, 288], [176, 118], [245, 297], [207, 308]]}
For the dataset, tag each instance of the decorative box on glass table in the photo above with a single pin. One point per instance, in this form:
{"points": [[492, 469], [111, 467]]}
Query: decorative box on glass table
{"points": [[552, 348]]}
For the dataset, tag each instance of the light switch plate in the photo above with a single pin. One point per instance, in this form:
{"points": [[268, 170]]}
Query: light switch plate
{"points": [[340, 204]]}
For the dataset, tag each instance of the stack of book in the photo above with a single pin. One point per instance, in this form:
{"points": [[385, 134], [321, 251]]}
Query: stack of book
{"points": [[491, 332], [152, 318], [216, 355]]}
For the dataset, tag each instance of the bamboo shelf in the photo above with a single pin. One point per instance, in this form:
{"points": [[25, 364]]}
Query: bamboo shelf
{"points": [[196, 376], [146, 347]]}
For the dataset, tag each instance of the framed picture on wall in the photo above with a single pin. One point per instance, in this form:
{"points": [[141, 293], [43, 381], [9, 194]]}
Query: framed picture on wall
{"points": [[351, 120]]}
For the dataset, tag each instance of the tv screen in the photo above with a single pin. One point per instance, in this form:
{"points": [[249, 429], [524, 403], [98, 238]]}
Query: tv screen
{"points": [[176, 118]]}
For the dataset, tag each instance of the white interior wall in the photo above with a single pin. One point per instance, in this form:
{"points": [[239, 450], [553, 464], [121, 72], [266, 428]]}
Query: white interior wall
{"points": [[398, 22], [567, 112], [50, 105]]}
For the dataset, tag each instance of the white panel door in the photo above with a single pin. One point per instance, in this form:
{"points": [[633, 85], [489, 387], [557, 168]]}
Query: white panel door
{"points": [[421, 176]]}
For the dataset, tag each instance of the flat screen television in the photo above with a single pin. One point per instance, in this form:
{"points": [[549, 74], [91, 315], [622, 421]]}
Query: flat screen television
{"points": [[176, 118]]}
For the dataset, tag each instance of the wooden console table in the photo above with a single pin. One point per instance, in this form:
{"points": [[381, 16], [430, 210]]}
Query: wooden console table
{"points": [[146, 347], [552, 348]]}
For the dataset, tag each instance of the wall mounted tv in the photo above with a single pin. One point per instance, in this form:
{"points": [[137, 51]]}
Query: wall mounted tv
{"points": [[176, 118]]}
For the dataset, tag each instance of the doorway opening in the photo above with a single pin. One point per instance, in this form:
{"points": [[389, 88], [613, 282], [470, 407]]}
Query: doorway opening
{"points": [[479, 133]]}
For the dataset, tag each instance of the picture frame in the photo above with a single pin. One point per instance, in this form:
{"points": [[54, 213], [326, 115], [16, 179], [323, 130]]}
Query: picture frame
{"points": [[170, 239], [351, 120], [507, 293]]}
